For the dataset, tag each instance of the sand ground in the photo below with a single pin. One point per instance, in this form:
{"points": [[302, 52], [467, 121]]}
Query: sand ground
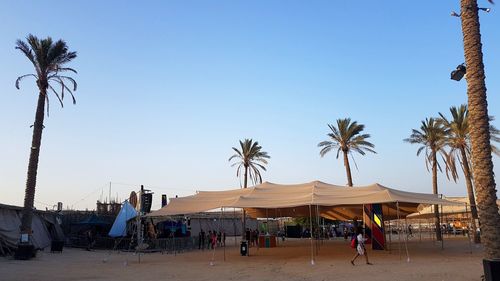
{"points": [[290, 261]]}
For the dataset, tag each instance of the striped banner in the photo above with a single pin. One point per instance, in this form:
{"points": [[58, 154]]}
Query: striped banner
{"points": [[374, 226]]}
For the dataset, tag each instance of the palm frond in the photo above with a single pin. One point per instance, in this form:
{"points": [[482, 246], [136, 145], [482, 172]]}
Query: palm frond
{"points": [[18, 80]]}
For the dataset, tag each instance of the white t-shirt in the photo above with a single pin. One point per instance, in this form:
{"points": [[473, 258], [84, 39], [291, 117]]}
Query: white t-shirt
{"points": [[361, 244], [361, 240]]}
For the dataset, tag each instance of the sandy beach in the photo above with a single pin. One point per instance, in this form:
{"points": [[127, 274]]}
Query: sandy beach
{"points": [[289, 261]]}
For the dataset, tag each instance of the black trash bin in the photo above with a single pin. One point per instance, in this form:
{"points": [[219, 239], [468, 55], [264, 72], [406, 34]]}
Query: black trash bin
{"points": [[244, 248], [491, 269]]}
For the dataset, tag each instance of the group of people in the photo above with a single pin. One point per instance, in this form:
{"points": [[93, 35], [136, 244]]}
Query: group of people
{"points": [[252, 236], [211, 239]]}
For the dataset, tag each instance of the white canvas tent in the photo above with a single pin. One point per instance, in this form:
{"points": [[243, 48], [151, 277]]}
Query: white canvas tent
{"points": [[299, 200], [273, 200]]}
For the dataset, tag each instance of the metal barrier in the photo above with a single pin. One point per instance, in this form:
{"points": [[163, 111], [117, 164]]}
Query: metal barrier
{"points": [[168, 245]]}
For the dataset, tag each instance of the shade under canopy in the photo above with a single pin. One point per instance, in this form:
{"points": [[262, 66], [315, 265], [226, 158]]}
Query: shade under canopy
{"points": [[462, 209], [278, 200]]}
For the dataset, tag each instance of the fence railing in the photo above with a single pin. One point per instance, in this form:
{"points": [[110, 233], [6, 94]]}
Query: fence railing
{"points": [[168, 245]]}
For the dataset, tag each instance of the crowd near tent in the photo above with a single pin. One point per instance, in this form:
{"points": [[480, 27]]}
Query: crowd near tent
{"points": [[295, 200], [46, 227]]}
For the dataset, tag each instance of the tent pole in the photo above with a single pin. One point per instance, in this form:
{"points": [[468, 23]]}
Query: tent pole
{"points": [[223, 234], [363, 215], [390, 230], [267, 222], [317, 229], [430, 228], [399, 230], [234, 226], [468, 232], [420, 230], [406, 242], [442, 234], [310, 231]]}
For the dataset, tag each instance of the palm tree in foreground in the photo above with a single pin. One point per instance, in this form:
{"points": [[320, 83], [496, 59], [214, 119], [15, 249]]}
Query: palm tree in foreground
{"points": [[479, 130], [249, 160], [432, 138], [346, 137], [49, 59]]}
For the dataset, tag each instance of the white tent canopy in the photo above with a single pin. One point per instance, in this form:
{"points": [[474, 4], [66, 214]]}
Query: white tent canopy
{"points": [[335, 201]]}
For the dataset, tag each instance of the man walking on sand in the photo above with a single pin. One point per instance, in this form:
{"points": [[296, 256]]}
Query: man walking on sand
{"points": [[360, 248]]}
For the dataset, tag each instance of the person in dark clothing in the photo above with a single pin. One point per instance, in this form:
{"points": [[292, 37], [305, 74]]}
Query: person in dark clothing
{"points": [[90, 239], [201, 240], [248, 235]]}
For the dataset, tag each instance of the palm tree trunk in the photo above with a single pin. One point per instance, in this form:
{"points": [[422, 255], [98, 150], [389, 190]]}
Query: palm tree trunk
{"points": [[435, 191], [29, 197], [482, 167], [470, 192], [243, 216], [347, 168]]}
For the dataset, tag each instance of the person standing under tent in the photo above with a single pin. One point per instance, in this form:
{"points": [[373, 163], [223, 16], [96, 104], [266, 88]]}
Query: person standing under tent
{"points": [[201, 240], [219, 239], [207, 239], [213, 239], [360, 247]]}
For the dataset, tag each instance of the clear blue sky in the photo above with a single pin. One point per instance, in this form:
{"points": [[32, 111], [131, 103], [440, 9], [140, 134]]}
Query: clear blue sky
{"points": [[166, 88]]}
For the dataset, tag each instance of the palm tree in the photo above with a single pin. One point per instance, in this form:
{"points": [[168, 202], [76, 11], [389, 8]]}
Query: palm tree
{"points": [[49, 59], [459, 142], [432, 138], [346, 137], [479, 130], [250, 159]]}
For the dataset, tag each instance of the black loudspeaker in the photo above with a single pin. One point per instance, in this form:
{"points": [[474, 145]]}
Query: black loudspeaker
{"points": [[163, 200], [56, 246], [146, 201], [24, 252], [491, 270]]}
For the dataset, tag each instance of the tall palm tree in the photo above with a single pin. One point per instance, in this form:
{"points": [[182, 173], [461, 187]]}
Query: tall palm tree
{"points": [[482, 168], [249, 159], [346, 137], [459, 142], [49, 59], [432, 138]]}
